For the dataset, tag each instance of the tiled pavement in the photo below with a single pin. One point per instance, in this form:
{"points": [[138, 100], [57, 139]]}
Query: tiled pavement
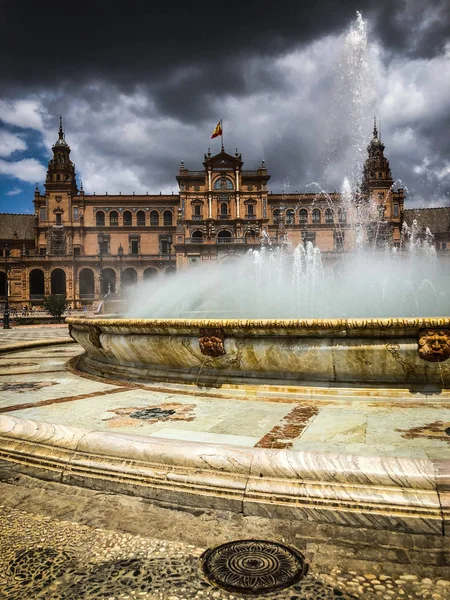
{"points": [[28, 333]]}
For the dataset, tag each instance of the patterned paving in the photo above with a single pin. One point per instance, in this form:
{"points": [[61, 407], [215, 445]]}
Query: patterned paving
{"points": [[32, 333]]}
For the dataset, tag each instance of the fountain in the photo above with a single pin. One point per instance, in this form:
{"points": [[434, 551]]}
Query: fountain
{"points": [[279, 323]]}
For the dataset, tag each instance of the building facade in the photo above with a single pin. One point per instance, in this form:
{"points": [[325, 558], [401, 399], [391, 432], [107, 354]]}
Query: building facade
{"points": [[88, 245]]}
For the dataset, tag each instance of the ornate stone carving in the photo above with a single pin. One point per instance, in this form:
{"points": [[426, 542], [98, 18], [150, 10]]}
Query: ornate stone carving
{"points": [[94, 337], [434, 344], [211, 341]]}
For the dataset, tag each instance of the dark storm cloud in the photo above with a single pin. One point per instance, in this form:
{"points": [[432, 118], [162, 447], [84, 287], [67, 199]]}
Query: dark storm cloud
{"points": [[141, 86], [45, 44]]}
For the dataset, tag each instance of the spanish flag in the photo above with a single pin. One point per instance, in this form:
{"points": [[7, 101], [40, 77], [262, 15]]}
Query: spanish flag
{"points": [[217, 131]]}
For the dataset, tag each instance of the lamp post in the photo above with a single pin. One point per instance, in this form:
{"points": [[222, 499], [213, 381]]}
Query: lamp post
{"points": [[6, 306]]}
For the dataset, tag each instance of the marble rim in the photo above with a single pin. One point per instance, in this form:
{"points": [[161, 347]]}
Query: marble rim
{"points": [[380, 492], [413, 323]]}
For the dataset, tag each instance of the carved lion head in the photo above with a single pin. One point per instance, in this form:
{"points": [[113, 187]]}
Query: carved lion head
{"points": [[434, 344]]}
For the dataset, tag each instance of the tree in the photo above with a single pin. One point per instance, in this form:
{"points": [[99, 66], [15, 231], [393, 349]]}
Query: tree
{"points": [[55, 304]]}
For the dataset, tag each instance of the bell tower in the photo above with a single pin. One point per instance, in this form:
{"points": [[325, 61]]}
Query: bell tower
{"points": [[377, 174], [61, 170], [60, 190], [377, 186]]}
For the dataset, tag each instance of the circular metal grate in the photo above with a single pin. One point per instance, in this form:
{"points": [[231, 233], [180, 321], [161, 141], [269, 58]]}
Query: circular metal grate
{"points": [[253, 566]]}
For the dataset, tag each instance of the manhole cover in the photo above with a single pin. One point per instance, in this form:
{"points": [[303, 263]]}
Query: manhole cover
{"points": [[253, 566]]}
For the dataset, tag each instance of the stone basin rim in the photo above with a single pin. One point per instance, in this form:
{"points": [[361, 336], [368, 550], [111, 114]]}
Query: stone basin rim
{"points": [[409, 323]]}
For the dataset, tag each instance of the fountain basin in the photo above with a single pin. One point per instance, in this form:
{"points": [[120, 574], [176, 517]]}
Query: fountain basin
{"points": [[335, 351]]}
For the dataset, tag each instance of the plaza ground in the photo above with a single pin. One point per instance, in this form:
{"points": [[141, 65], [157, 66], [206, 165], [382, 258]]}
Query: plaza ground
{"points": [[67, 542]]}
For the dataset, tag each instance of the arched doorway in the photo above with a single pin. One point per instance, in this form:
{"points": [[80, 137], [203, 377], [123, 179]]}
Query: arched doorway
{"points": [[170, 271], [224, 236], [36, 280], [108, 282], [129, 276], [86, 284], [150, 273], [58, 281], [2, 284]]}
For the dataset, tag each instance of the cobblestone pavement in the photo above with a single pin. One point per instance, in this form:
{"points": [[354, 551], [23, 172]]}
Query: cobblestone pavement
{"points": [[46, 558], [29, 333]]}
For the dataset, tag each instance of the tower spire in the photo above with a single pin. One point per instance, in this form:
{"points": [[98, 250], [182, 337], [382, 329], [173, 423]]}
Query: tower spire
{"points": [[61, 131], [375, 130]]}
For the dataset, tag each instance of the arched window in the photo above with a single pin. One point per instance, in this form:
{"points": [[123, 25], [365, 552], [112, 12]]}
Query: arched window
{"points": [[154, 217], [223, 183], [58, 281], [167, 218], [150, 273], [2, 284], [86, 284], [100, 218], [250, 237], [276, 214], [108, 281], [197, 236], [113, 218], [127, 218], [140, 218], [303, 214], [224, 236], [224, 209], [342, 215], [290, 217], [316, 215], [129, 276], [329, 216], [36, 284]]}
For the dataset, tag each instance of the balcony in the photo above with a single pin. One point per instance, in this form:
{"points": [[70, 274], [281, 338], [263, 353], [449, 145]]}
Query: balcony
{"points": [[250, 216], [231, 240], [197, 218], [223, 217]]}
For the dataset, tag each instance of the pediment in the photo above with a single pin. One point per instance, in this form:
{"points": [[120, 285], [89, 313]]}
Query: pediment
{"points": [[223, 161]]}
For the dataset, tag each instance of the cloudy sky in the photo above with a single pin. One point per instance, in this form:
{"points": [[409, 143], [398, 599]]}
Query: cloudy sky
{"points": [[297, 83]]}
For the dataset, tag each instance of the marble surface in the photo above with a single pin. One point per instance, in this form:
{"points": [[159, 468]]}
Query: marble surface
{"points": [[350, 456]]}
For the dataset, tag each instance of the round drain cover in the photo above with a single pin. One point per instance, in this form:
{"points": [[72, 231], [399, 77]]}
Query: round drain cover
{"points": [[253, 566]]}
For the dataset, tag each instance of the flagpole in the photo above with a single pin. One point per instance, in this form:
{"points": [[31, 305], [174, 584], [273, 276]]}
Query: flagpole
{"points": [[221, 135]]}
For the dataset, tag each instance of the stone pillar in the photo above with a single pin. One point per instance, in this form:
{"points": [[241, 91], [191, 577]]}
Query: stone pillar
{"points": [[209, 195], [237, 195]]}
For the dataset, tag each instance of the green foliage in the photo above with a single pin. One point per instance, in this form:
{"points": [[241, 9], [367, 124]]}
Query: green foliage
{"points": [[55, 304]]}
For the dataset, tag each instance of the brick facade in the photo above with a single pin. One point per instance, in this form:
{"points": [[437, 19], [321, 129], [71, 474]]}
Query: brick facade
{"points": [[88, 245]]}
